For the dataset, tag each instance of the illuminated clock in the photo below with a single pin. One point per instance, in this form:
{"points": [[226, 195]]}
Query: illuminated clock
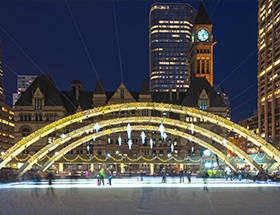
{"points": [[202, 35]]}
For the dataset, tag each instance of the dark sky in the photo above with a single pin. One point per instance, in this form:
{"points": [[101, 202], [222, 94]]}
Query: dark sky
{"points": [[40, 37]]}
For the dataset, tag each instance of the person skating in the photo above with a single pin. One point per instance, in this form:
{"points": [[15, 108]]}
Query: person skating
{"points": [[163, 173], [205, 176], [101, 176], [181, 175], [189, 175]]}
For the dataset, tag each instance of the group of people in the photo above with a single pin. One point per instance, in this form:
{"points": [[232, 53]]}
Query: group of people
{"points": [[101, 176], [181, 175]]}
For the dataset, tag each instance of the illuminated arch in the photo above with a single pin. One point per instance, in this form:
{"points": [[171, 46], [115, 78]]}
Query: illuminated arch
{"points": [[35, 136], [156, 120], [75, 144]]}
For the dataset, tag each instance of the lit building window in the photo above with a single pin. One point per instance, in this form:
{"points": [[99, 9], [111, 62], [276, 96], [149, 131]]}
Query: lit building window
{"points": [[203, 104], [38, 104]]}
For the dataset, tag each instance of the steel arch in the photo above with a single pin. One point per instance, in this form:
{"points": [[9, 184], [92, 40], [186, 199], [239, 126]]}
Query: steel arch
{"points": [[156, 120], [139, 127], [35, 136]]}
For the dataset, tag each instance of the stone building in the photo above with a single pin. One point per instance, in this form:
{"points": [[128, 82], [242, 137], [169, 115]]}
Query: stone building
{"points": [[42, 103]]}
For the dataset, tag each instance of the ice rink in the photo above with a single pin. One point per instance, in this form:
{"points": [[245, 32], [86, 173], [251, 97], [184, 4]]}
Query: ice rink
{"points": [[131, 196]]}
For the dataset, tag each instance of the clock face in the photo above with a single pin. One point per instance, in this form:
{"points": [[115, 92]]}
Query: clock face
{"points": [[202, 35]]}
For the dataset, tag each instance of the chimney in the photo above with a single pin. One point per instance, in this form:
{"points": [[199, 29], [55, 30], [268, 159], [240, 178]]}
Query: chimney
{"points": [[77, 90], [170, 94], [177, 94]]}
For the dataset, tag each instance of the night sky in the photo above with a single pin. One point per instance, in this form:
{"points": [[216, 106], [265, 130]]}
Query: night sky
{"points": [[40, 37]]}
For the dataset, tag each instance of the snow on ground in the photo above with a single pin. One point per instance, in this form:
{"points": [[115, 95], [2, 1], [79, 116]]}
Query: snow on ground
{"points": [[130, 196]]}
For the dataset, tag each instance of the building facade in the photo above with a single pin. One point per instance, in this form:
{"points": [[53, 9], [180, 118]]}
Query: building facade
{"points": [[269, 71], [6, 116], [23, 82], [170, 31], [42, 103], [6, 127], [2, 96]]}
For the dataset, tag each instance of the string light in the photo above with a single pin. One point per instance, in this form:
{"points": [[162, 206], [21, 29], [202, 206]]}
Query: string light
{"points": [[120, 140], [143, 137], [164, 136], [63, 136], [128, 131], [161, 130], [192, 127], [129, 144], [151, 143], [97, 127]]}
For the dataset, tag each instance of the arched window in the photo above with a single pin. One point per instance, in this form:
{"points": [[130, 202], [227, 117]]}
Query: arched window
{"points": [[25, 132]]}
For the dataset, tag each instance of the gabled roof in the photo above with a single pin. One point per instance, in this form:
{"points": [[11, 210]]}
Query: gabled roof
{"points": [[144, 88], [53, 96], [197, 86], [99, 89], [202, 16], [71, 104]]}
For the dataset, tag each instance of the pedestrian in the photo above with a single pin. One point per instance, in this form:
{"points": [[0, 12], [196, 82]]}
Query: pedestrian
{"points": [[239, 175], [205, 176], [101, 176], [109, 174], [50, 177], [189, 175], [163, 173], [141, 175], [181, 175]]}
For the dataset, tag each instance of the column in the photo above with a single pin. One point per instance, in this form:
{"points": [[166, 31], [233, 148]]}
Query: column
{"points": [[181, 166], [152, 166], [60, 167], [122, 168], [91, 167]]}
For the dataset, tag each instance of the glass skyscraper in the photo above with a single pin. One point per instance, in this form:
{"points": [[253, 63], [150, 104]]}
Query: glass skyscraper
{"points": [[170, 40]]}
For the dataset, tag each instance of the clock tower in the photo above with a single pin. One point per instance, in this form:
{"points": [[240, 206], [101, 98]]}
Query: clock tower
{"points": [[201, 57]]}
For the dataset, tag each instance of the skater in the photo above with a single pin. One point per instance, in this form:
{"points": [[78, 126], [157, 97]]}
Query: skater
{"points": [[163, 173], [101, 176], [205, 176], [181, 175], [141, 175], [189, 175], [50, 178], [109, 174]]}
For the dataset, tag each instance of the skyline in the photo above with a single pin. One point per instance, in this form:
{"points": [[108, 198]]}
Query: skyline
{"points": [[53, 43]]}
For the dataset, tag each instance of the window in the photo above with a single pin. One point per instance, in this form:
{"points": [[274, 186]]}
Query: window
{"points": [[38, 117], [203, 104], [122, 94], [38, 104], [25, 132], [145, 112]]}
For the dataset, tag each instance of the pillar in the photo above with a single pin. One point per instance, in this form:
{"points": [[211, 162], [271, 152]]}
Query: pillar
{"points": [[181, 166], [122, 168], [152, 166], [91, 167], [60, 167]]}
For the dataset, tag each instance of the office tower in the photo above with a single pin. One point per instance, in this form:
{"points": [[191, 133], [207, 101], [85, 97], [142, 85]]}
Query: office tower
{"points": [[23, 82], [269, 70], [2, 96], [6, 116], [170, 38], [201, 58]]}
